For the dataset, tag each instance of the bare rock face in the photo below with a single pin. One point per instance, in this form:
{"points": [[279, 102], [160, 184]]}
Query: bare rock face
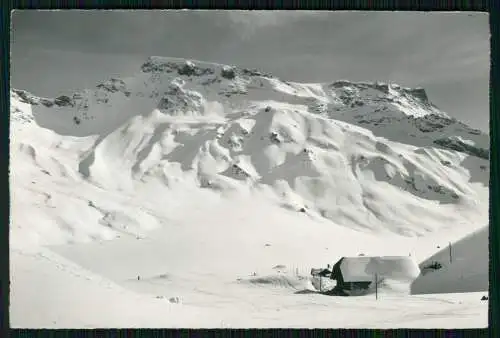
{"points": [[432, 122], [254, 72], [383, 87], [187, 69], [113, 85], [458, 145], [24, 96], [228, 72], [418, 93], [179, 99], [340, 84], [27, 97], [64, 101], [182, 67]]}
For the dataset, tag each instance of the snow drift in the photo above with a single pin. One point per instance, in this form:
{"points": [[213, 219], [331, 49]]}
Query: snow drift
{"points": [[466, 272]]}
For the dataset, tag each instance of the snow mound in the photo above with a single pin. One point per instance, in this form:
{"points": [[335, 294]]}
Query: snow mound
{"points": [[467, 271], [393, 286]]}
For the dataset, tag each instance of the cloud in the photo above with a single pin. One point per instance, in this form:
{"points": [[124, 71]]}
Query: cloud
{"points": [[248, 23]]}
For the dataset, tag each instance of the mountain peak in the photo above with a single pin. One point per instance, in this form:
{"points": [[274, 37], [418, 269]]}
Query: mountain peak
{"points": [[161, 64], [418, 93], [181, 66], [179, 87]]}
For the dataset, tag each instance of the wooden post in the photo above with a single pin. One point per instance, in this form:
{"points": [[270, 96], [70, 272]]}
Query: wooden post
{"points": [[376, 287], [450, 252]]}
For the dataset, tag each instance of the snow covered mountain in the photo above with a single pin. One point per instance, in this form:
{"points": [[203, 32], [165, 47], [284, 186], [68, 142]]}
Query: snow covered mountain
{"points": [[343, 151], [199, 149]]}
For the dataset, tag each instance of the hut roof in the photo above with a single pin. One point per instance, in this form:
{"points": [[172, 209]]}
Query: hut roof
{"points": [[363, 269]]}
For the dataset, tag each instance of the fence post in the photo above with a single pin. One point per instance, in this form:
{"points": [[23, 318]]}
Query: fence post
{"points": [[449, 245], [376, 286]]}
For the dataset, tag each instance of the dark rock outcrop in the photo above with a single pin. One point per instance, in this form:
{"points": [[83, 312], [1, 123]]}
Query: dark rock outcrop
{"points": [[228, 73], [64, 101], [458, 145], [418, 93]]}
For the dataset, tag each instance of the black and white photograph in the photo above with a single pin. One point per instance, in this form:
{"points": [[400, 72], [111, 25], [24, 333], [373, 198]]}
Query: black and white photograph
{"points": [[249, 169]]}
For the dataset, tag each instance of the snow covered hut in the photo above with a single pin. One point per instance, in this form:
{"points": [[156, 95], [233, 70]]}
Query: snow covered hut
{"points": [[358, 273]]}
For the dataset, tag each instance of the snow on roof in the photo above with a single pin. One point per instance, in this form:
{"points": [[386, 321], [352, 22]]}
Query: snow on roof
{"points": [[363, 269]]}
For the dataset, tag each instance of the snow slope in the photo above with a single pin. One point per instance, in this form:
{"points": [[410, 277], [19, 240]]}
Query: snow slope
{"points": [[199, 178], [467, 271]]}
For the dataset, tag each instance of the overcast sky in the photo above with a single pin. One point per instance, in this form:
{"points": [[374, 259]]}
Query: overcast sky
{"points": [[446, 53]]}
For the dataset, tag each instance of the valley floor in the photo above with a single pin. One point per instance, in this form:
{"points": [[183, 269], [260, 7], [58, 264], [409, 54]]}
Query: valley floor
{"points": [[50, 291], [223, 277]]}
